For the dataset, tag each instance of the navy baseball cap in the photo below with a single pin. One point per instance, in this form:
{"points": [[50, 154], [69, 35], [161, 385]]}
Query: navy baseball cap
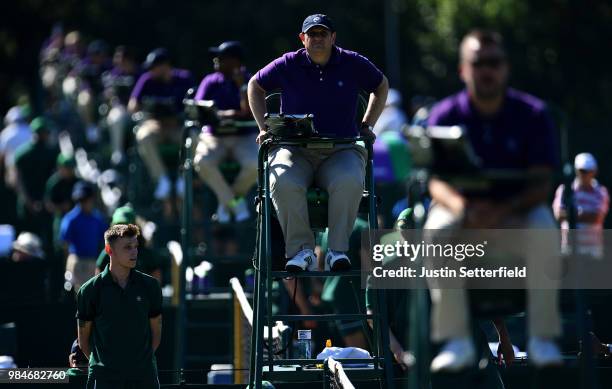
{"points": [[156, 57], [318, 20], [232, 49]]}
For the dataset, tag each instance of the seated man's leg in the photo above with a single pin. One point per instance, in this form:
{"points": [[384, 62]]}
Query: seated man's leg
{"points": [[209, 152], [290, 176], [450, 321], [148, 137], [245, 151], [543, 258], [342, 175], [117, 120]]}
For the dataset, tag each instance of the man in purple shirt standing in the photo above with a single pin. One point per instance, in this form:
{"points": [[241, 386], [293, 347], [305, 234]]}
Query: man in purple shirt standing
{"points": [[508, 130], [324, 80], [227, 88], [159, 92]]}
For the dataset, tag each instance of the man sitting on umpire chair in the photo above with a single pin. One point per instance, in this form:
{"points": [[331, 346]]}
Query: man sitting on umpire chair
{"points": [[324, 80]]}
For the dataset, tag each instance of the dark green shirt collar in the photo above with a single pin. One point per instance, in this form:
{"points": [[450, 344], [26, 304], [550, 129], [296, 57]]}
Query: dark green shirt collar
{"points": [[107, 277]]}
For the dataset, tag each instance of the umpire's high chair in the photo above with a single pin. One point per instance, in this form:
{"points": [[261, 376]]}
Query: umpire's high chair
{"points": [[262, 356]]}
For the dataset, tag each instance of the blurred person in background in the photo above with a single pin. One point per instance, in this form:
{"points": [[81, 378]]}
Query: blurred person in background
{"points": [[591, 203], [227, 88], [81, 231], [27, 247], [392, 117], [88, 74], [118, 84], [73, 49], [16, 133], [159, 93], [34, 164], [509, 130], [59, 187]]}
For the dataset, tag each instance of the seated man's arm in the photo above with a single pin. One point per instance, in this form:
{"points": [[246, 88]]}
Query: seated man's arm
{"points": [[133, 105], [84, 334], [536, 193], [488, 213], [257, 103]]}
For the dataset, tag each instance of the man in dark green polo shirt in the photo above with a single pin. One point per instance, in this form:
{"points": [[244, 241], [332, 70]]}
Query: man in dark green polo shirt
{"points": [[119, 317]]}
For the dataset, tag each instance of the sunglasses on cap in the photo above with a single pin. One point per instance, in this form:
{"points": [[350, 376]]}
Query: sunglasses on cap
{"points": [[316, 34], [492, 63]]}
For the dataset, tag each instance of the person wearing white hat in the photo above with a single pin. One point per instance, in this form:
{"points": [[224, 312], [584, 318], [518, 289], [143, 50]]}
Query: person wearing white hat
{"points": [[591, 202], [16, 133], [27, 247]]}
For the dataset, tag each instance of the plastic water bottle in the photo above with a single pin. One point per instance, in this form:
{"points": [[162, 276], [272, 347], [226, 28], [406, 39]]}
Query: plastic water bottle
{"points": [[304, 347]]}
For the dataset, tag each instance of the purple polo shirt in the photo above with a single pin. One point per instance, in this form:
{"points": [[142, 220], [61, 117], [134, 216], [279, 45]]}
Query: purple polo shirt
{"points": [[329, 92], [224, 92], [520, 136], [176, 89], [118, 83]]}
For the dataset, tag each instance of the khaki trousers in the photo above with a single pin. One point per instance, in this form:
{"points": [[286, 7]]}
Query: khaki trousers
{"points": [[211, 150], [450, 313], [339, 170], [150, 134], [79, 270]]}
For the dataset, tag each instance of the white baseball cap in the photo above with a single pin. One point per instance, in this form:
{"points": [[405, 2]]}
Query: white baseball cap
{"points": [[585, 161]]}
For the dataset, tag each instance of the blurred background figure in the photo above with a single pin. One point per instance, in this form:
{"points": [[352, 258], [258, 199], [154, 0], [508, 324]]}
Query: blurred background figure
{"points": [[34, 164], [27, 247], [16, 133], [392, 117], [159, 95], [118, 84], [227, 88], [591, 203], [88, 74], [82, 232]]}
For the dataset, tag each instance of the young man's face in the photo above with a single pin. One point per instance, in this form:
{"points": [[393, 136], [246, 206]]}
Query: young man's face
{"points": [[124, 252], [484, 69], [318, 40]]}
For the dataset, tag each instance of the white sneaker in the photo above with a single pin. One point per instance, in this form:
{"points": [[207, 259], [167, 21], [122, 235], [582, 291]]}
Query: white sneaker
{"points": [[303, 260], [337, 261], [179, 187], [163, 188], [241, 210], [543, 352], [222, 215], [456, 355]]}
